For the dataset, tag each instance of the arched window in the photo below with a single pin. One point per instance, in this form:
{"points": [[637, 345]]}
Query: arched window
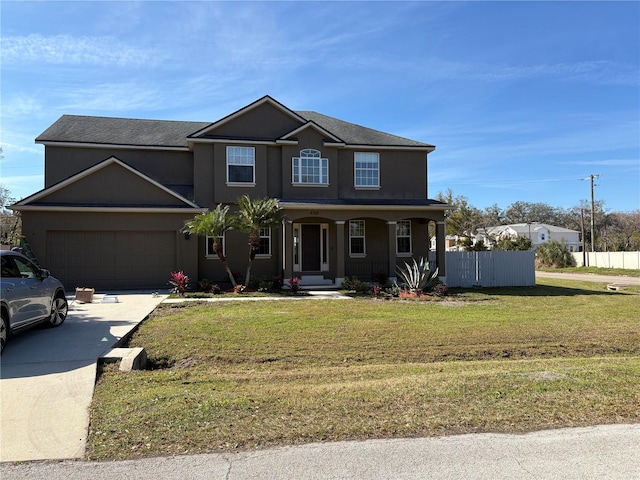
{"points": [[310, 168]]}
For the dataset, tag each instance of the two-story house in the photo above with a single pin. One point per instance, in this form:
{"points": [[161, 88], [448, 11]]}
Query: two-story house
{"points": [[118, 191], [538, 233]]}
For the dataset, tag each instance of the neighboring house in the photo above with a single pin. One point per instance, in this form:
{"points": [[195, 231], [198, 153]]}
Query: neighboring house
{"points": [[539, 233], [118, 191], [452, 243]]}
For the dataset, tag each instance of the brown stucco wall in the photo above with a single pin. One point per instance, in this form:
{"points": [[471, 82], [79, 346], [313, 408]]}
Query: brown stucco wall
{"points": [[264, 121], [112, 185], [166, 167]]}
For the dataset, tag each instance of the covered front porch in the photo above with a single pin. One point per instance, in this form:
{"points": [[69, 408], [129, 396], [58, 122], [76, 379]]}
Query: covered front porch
{"points": [[324, 243]]}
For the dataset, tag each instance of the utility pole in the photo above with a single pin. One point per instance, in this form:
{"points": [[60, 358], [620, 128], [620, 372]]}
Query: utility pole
{"points": [[584, 253], [593, 210]]}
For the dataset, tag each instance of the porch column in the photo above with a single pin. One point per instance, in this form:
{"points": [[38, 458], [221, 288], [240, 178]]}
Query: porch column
{"points": [[287, 259], [339, 252], [440, 250], [392, 249]]}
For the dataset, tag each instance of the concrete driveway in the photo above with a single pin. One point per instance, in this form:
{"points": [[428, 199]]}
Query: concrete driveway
{"points": [[47, 377]]}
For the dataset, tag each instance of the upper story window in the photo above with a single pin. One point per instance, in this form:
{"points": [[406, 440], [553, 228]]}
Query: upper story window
{"points": [[310, 169], [356, 238], [367, 169], [403, 237], [241, 165]]}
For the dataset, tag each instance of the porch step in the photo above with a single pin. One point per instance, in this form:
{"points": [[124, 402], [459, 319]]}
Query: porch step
{"points": [[315, 280]]}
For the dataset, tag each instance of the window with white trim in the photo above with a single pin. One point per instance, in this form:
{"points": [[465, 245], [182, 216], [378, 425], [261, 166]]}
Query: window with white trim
{"points": [[241, 165], [310, 168], [264, 249], [210, 252], [403, 237], [357, 245], [366, 169]]}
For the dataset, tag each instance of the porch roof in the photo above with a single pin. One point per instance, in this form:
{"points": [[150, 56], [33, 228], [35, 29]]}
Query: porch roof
{"points": [[365, 204]]}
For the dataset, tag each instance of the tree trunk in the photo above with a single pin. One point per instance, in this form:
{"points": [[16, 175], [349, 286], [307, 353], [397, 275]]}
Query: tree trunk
{"points": [[223, 259]]}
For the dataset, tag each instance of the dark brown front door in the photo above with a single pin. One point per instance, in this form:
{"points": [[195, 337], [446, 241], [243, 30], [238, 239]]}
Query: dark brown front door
{"points": [[311, 248]]}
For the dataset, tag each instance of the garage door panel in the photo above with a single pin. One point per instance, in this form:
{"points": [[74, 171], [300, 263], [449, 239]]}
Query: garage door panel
{"points": [[112, 259]]}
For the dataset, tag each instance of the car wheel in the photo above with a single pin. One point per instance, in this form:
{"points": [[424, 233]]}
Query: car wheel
{"points": [[59, 309], [4, 331]]}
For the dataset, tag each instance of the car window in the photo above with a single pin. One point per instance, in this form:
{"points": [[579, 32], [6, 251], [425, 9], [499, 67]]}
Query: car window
{"points": [[8, 268], [26, 268]]}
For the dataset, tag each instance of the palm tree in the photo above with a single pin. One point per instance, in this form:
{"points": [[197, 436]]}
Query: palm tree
{"points": [[214, 223], [254, 215]]}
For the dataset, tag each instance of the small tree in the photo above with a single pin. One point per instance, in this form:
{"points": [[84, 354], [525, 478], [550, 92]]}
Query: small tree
{"points": [[554, 254], [254, 215], [214, 223]]}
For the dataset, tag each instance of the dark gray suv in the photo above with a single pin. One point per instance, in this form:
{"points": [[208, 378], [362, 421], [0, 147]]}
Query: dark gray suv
{"points": [[29, 296]]}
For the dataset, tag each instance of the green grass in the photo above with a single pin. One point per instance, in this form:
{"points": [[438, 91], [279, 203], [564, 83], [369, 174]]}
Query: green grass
{"points": [[595, 270], [239, 375]]}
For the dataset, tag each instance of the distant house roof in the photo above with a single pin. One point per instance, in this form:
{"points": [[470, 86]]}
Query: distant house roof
{"points": [[82, 129], [523, 228]]}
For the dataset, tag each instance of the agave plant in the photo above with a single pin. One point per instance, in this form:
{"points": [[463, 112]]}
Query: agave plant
{"points": [[417, 276]]}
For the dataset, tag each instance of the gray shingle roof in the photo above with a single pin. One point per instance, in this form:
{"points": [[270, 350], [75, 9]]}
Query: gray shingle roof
{"points": [[120, 131], [169, 133], [357, 135]]}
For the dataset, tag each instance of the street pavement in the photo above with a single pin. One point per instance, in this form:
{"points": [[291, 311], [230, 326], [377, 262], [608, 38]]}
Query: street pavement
{"points": [[590, 277], [605, 452]]}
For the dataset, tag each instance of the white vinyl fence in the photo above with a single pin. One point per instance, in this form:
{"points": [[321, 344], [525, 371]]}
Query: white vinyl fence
{"points": [[626, 260], [491, 269]]}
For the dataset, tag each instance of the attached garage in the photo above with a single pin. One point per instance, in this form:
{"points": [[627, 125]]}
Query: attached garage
{"points": [[112, 259], [129, 239]]}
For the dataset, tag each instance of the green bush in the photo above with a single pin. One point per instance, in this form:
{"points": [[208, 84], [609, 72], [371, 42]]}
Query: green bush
{"points": [[554, 254], [353, 284]]}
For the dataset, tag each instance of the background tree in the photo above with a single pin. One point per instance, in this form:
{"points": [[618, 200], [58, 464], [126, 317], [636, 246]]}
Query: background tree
{"points": [[215, 224], [464, 219], [253, 216], [10, 221]]}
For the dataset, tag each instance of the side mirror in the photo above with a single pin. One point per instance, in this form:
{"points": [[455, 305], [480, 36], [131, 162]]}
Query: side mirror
{"points": [[44, 273]]}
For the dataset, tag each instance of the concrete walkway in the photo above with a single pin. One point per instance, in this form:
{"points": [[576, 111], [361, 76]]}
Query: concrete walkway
{"points": [[606, 452], [47, 377]]}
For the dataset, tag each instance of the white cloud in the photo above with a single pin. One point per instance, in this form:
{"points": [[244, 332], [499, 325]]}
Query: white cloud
{"points": [[67, 49], [110, 97]]}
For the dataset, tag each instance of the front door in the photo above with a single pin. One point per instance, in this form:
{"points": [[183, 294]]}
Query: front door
{"points": [[311, 248]]}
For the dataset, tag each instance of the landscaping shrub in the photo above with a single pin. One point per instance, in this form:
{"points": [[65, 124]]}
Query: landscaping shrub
{"points": [[353, 284], [417, 277], [554, 254], [180, 282]]}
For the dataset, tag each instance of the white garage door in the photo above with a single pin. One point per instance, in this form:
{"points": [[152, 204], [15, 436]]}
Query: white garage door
{"points": [[113, 259]]}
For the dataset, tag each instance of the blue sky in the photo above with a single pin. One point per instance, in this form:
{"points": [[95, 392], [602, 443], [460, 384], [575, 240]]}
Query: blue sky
{"points": [[521, 99]]}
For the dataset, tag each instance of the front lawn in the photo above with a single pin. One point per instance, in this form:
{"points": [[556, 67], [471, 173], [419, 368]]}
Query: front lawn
{"points": [[251, 375]]}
